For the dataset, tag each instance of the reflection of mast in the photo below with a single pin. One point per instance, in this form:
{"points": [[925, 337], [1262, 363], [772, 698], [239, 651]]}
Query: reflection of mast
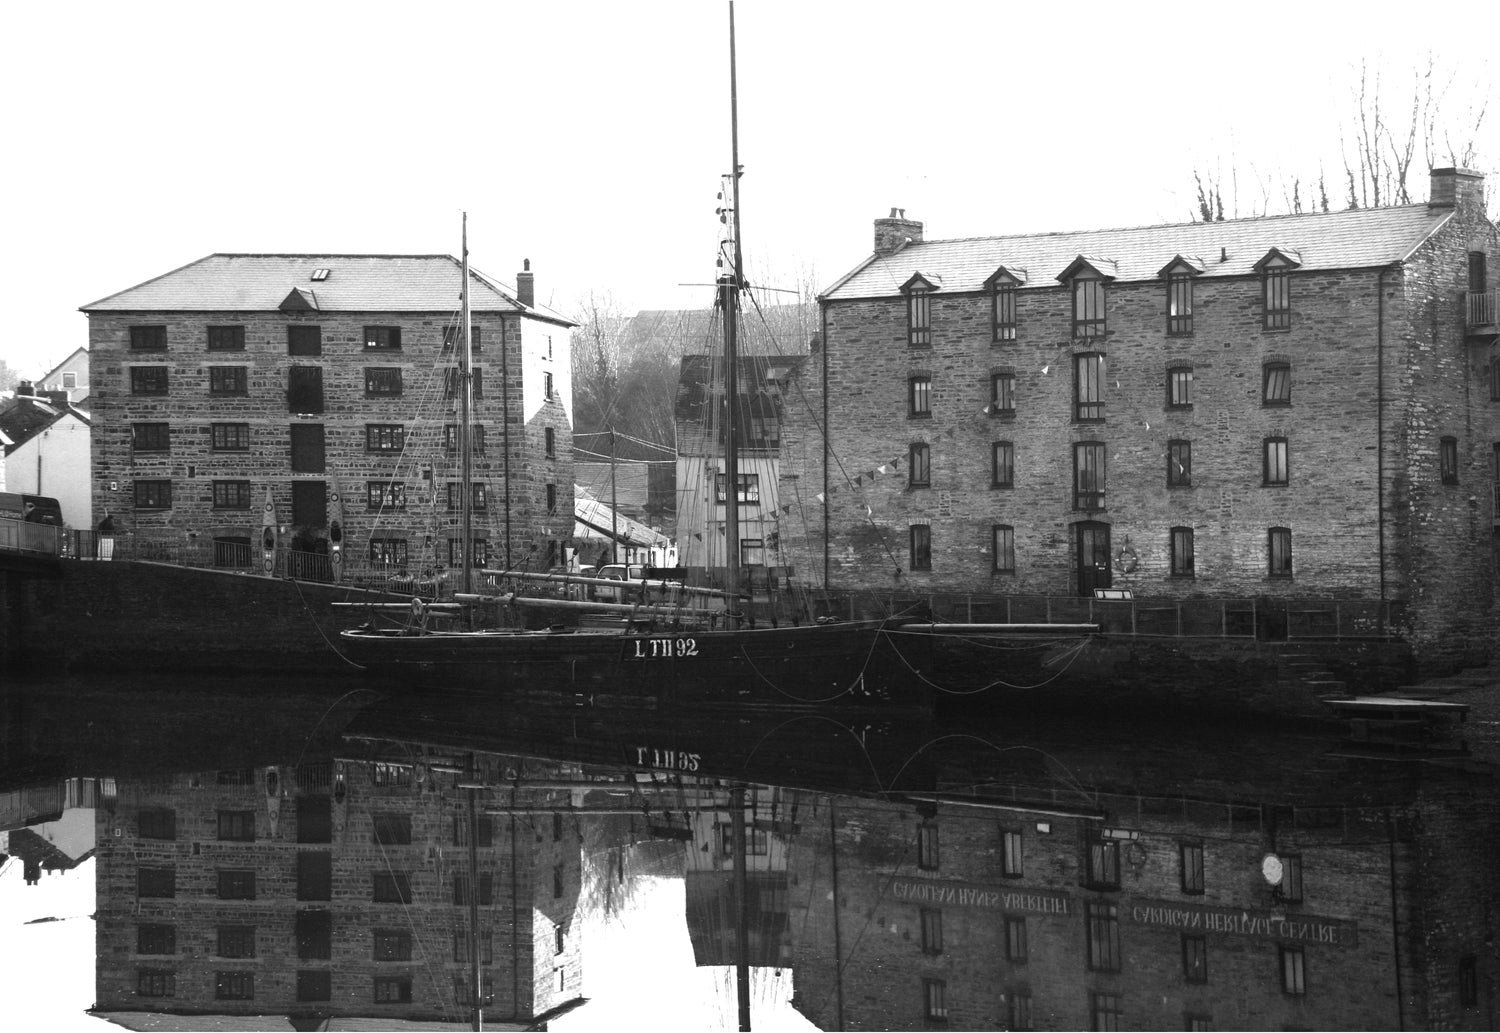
{"points": [[470, 787], [742, 909]]}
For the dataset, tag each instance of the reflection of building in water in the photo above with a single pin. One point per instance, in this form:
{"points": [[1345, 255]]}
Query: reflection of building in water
{"points": [[1142, 912], [713, 901], [336, 889]]}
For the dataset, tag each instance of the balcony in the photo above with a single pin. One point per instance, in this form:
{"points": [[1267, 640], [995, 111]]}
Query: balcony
{"points": [[1479, 314]]}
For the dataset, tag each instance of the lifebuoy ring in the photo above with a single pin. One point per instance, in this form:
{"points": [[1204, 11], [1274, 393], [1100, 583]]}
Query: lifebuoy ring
{"points": [[1126, 560]]}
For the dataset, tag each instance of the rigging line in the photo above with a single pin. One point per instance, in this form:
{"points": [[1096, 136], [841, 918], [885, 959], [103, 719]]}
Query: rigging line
{"points": [[307, 610], [824, 718], [1072, 780], [804, 699], [305, 742], [1072, 654]]}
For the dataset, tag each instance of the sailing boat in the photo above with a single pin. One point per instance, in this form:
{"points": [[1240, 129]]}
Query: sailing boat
{"points": [[663, 655]]}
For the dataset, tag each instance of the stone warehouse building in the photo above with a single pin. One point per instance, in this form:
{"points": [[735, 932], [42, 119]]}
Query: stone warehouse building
{"points": [[1294, 406], [330, 381]]}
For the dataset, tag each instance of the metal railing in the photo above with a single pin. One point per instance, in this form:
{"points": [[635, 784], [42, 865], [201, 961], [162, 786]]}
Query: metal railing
{"points": [[1255, 617], [1481, 307]]}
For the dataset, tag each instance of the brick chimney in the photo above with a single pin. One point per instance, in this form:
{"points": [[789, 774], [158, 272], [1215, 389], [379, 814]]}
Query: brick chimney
{"points": [[1457, 188], [895, 232], [526, 285]]}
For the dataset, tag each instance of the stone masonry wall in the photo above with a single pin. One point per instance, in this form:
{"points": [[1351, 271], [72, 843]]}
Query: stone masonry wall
{"points": [[192, 464]]}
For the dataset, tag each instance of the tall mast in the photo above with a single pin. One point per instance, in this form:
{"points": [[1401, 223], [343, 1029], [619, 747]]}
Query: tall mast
{"points": [[729, 288], [465, 431]]}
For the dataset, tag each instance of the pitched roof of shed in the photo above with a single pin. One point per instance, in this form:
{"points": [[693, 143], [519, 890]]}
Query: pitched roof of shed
{"points": [[355, 283], [1365, 238]]}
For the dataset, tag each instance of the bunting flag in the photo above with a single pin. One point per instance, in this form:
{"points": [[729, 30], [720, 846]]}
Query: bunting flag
{"points": [[859, 480], [870, 474], [1046, 368]]}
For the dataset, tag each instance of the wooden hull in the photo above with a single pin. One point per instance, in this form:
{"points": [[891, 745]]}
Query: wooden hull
{"points": [[840, 665]]}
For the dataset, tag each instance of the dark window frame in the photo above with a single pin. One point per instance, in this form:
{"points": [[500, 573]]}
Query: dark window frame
{"points": [[1003, 548], [383, 382], [234, 941], [236, 826], [918, 317], [1102, 863], [1276, 462], [1276, 384], [1180, 387], [919, 465], [1017, 946], [235, 883], [929, 854], [304, 339], [1002, 464], [225, 338], [1194, 958], [385, 437], [476, 438], [919, 397], [148, 338], [1179, 305], [157, 882], [1279, 552], [935, 999], [229, 437], [1190, 860], [382, 338], [1276, 296], [153, 493], [151, 437], [228, 381], [1292, 961], [1002, 394], [1448, 459], [156, 982], [1088, 387], [1005, 328], [920, 536], [156, 938], [1181, 547], [1012, 853], [1179, 463], [231, 494], [930, 920], [1090, 296], [389, 552], [1090, 473], [390, 887], [1102, 931], [385, 495], [150, 381]]}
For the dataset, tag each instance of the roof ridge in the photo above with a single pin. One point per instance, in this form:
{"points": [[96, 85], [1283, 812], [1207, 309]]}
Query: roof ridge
{"points": [[1167, 225]]}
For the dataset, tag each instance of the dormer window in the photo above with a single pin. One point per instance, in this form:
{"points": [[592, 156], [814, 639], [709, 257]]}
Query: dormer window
{"points": [[1003, 287], [1276, 287], [1087, 279], [1179, 275], [918, 291]]}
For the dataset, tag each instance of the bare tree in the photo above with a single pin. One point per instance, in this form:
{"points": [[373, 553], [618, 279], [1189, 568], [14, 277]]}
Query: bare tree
{"points": [[595, 353], [1437, 119]]}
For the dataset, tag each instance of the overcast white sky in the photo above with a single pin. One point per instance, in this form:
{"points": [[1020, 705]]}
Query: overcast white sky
{"points": [[590, 136]]}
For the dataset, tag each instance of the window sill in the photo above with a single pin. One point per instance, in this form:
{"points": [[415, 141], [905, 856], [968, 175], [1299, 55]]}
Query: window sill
{"points": [[919, 416], [1005, 573], [1002, 487], [1275, 484], [1178, 408], [1003, 414]]}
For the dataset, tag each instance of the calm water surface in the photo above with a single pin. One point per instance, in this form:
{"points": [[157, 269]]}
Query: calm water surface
{"points": [[282, 855]]}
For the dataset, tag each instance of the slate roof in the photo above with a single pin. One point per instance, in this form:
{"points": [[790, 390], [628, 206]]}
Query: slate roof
{"points": [[355, 283], [1364, 238], [24, 417]]}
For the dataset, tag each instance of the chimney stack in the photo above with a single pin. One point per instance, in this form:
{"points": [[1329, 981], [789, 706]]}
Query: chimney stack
{"points": [[895, 232], [1457, 188], [526, 285]]}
